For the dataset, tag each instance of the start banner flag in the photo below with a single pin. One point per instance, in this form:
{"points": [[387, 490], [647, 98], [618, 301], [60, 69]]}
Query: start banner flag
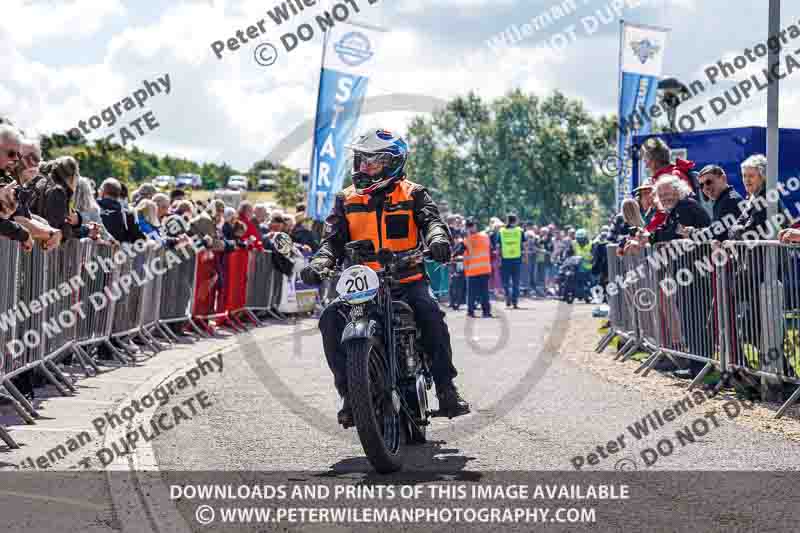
{"points": [[350, 54], [641, 60]]}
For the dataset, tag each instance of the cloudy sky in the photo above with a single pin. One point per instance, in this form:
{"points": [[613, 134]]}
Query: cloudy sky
{"points": [[66, 60]]}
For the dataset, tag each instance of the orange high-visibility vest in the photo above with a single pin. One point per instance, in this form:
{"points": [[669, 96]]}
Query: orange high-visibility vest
{"points": [[477, 260], [396, 230]]}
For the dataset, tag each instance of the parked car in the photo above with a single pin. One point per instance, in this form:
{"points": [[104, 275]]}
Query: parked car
{"points": [[164, 182], [189, 181], [237, 182], [267, 184], [183, 181]]}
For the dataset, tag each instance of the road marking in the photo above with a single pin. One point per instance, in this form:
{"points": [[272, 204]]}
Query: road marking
{"points": [[67, 501], [43, 429]]}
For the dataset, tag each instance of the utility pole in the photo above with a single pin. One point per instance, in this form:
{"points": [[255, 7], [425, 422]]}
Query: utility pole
{"points": [[771, 293]]}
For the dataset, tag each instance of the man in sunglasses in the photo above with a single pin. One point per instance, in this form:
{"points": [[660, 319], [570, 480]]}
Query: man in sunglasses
{"points": [[27, 175], [714, 184], [10, 145], [10, 161]]}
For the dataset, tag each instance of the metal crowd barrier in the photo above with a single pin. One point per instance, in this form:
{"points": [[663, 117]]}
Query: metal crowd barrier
{"points": [[261, 283], [439, 277], [152, 257], [127, 294], [9, 296], [234, 289], [60, 306], [207, 290], [277, 292], [60, 315], [760, 314], [617, 308], [178, 291], [685, 299], [734, 307], [527, 272], [96, 322]]}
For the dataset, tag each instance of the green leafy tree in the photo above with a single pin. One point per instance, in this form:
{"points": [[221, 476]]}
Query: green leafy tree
{"points": [[260, 166], [288, 190], [535, 157]]}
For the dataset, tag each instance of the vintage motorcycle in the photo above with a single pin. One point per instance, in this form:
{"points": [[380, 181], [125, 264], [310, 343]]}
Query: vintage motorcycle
{"points": [[388, 373]]}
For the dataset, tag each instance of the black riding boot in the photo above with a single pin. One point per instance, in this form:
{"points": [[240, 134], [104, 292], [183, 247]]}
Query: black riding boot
{"points": [[451, 404]]}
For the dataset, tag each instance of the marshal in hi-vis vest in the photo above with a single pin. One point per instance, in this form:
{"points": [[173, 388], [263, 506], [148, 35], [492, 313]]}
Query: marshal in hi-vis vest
{"points": [[477, 260], [511, 242], [396, 229], [585, 251]]}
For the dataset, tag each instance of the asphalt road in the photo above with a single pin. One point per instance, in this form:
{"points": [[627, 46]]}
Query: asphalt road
{"points": [[534, 408], [542, 402]]}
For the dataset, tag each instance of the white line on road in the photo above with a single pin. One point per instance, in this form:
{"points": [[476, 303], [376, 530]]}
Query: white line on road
{"points": [[68, 501]]}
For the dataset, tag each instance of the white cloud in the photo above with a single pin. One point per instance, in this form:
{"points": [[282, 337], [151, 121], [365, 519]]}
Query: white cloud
{"points": [[30, 23], [421, 6], [236, 111]]}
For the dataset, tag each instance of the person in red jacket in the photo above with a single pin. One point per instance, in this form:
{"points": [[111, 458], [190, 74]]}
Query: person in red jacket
{"points": [[251, 235], [656, 156]]}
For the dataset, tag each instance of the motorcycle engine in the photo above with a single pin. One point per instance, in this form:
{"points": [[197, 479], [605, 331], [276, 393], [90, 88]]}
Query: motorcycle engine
{"points": [[408, 355]]}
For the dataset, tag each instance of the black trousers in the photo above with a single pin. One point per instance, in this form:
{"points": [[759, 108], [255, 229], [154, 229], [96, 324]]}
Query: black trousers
{"points": [[458, 289], [510, 270], [478, 291], [430, 321]]}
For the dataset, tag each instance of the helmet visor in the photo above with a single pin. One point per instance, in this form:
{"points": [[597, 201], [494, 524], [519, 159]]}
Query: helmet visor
{"points": [[366, 162]]}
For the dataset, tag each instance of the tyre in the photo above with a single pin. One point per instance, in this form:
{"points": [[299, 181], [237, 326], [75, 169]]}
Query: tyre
{"points": [[569, 297], [381, 430], [414, 436]]}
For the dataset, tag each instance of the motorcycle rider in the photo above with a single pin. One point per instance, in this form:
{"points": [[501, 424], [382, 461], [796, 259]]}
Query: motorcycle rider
{"points": [[383, 206]]}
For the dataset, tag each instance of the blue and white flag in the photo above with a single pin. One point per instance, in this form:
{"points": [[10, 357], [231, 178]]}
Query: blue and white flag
{"points": [[641, 59], [350, 54]]}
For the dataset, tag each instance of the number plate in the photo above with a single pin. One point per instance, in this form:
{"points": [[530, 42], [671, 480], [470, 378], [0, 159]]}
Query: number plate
{"points": [[358, 284]]}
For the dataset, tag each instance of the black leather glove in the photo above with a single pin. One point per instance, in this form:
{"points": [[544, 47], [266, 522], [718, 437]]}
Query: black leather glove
{"points": [[440, 251], [311, 276]]}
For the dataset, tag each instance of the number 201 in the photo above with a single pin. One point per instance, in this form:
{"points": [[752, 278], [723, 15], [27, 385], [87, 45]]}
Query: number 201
{"points": [[357, 284]]}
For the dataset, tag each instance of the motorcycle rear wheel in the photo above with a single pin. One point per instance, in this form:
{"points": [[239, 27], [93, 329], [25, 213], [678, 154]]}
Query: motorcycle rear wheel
{"points": [[380, 429]]}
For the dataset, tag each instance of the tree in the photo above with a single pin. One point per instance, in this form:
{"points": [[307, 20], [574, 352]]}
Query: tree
{"points": [[260, 166], [534, 157], [288, 191]]}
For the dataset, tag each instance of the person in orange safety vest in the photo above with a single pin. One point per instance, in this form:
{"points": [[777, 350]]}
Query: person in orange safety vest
{"points": [[476, 249]]}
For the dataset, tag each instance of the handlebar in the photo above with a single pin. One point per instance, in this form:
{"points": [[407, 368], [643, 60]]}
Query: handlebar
{"points": [[405, 259]]}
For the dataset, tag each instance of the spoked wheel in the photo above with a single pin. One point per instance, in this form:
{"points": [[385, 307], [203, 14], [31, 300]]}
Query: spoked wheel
{"points": [[380, 429], [415, 436]]}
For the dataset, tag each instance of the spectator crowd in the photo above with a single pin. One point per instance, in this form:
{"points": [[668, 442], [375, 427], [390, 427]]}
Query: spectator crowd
{"points": [[678, 202], [48, 203]]}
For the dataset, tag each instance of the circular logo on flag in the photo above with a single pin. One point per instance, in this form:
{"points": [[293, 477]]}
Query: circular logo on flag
{"points": [[354, 49]]}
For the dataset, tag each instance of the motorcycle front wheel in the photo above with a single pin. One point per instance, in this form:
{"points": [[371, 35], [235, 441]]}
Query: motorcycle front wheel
{"points": [[380, 428]]}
